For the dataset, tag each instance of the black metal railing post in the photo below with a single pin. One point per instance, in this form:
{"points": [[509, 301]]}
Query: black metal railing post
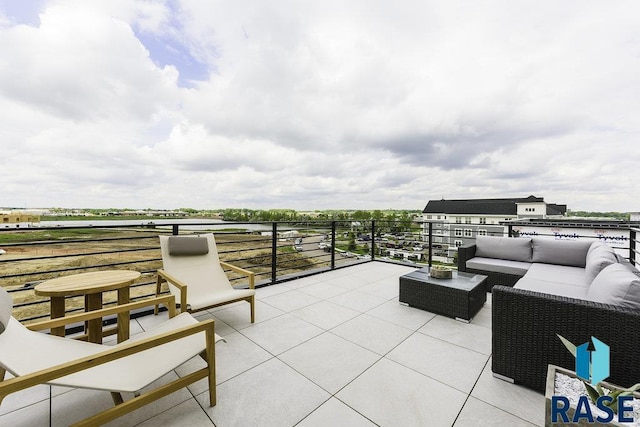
{"points": [[510, 228], [430, 244], [175, 229], [333, 245], [632, 246], [373, 240], [274, 252]]}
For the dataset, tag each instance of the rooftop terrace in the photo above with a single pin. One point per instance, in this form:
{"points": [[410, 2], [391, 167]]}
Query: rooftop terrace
{"points": [[335, 348]]}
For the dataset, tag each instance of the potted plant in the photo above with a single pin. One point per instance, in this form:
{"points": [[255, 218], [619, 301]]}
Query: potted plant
{"points": [[440, 272]]}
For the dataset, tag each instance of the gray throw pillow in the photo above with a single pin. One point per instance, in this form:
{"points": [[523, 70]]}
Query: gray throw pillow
{"points": [[188, 246], [511, 248], [600, 255], [561, 252], [6, 304], [618, 285]]}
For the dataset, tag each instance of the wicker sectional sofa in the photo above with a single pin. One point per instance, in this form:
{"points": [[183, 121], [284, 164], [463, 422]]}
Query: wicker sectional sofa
{"points": [[543, 287]]}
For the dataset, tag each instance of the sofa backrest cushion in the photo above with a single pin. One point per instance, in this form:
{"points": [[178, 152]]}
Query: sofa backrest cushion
{"points": [[599, 256], [561, 252], [6, 304], [513, 248], [616, 284]]}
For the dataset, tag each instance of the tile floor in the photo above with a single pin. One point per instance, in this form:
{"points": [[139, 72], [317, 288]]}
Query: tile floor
{"points": [[334, 349]]}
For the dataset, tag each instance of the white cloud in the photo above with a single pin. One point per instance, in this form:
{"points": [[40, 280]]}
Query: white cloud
{"points": [[308, 105]]}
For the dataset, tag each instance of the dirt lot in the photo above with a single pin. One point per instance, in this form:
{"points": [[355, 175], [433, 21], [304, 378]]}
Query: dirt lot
{"points": [[25, 264]]}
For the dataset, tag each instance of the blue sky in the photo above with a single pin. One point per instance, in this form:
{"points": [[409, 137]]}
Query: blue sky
{"points": [[363, 104]]}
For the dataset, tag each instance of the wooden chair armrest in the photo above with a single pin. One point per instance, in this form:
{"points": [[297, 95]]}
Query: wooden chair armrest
{"points": [[250, 274], [45, 375], [182, 287], [169, 278], [168, 300]]}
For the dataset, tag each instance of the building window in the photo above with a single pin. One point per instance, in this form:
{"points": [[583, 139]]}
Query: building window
{"points": [[428, 216], [483, 220], [458, 232], [482, 232], [467, 220], [458, 220], [467, 232], [458, 243]]}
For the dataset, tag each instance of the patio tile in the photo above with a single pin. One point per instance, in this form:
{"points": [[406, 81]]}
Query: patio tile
{"points": [[24, 398], [329, 361], [188, 413], [483, 317], [448, 363], [323, 290], [335, 413], [408, 317], [390, 394], [387, 288], [33, 415], [237, 355], [239, 316], [358, 301], [291, 300], [282, 333], [372, 333], [325, 314], [521, 401], [300, 283], [476, 413], [271, 394], [349, 281], [468, 335]]}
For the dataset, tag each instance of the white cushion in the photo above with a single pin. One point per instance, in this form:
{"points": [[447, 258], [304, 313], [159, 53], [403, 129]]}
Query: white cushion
{"points": [[616, 284]]}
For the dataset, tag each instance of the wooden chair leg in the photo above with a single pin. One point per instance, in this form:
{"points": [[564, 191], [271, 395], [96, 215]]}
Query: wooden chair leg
{"points": [[252, 301]]}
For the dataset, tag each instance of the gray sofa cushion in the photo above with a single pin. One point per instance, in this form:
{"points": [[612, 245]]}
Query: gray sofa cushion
{"points": [[187, 245], [512, 248], [553, 288], [616, 284], [573, 276], [600, 255], [517, 268], [562, 252], [6, 304]]}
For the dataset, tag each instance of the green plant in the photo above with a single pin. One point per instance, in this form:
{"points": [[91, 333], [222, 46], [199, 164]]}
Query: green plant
{"points": [[594, 391]]}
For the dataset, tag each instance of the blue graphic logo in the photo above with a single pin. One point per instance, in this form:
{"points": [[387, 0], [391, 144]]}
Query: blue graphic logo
{"points": [[592, 366]]}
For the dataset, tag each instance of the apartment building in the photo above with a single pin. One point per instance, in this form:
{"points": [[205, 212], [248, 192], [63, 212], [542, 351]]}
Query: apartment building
{"points": [[456, 222]]}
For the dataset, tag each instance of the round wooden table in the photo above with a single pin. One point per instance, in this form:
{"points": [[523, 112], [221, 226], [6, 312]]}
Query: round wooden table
{"points": [[91, 285]]}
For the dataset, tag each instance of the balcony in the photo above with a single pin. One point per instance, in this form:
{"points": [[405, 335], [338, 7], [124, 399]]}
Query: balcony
{"points": [[330, 349], [331, 346]]}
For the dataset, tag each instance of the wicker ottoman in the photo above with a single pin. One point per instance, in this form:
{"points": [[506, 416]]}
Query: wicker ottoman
{"points": [[460, 297]]}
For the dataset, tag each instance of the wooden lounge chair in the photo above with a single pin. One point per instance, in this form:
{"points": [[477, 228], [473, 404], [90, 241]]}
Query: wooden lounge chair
{"points": [[38, 358], [196, 276]]}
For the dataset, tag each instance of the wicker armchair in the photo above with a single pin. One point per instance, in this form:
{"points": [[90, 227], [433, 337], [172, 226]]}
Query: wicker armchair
{"points": [[525, 325]]}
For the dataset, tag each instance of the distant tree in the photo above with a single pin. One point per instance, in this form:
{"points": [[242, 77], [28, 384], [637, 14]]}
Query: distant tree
{"points": [[352, 242]]}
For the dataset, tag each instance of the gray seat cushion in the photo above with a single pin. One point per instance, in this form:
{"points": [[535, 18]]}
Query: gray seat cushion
{"points": [[562, 252], [599, 256], [616, 284], [574, 276], [517, 268], [6, 304], [553, 288], [511, 248]]}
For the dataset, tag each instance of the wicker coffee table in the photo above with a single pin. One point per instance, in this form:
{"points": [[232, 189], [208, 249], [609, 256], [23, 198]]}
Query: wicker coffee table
{"points": [[460, 297]]}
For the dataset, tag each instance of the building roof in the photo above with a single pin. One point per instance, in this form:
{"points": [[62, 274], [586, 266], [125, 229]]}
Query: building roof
{"points": [[507, 206]]}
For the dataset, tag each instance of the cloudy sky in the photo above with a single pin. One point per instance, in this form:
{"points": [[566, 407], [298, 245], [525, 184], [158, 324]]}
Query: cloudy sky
{"points": [[332, 104]]}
